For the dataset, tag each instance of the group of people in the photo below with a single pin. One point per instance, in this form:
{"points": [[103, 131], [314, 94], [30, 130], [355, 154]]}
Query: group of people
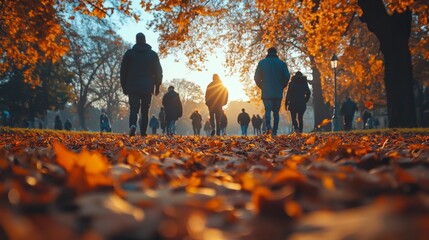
{"points": [[257, 123], [141, 77], [58, 124], [104, 123]]}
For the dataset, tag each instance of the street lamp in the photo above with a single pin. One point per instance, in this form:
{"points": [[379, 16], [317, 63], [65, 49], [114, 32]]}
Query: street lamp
{"points": [[334, 62]]}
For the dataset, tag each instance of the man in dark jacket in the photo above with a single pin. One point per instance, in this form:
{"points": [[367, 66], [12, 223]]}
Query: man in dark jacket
{"points": [[68, 125], [272, 76], [173, 109], [297, 96], [58, 125], [105, 123], [216, 97], [348, 109], [196, 122], [243, 119], [141, 75]]}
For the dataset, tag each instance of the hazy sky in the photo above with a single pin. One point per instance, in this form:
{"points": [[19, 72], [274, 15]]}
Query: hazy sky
{"points": [[173, 69]]}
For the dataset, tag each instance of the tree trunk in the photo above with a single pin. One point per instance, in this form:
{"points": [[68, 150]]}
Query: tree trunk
{"points": [[393, 32], [322, 110], [81, 114]]}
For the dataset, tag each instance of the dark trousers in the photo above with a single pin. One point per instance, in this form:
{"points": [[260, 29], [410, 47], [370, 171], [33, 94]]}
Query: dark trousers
{"points": [[153, 131], [348, 120], [215, 116], [297, 125], [196, 130], [272, 105], [142, 103]]}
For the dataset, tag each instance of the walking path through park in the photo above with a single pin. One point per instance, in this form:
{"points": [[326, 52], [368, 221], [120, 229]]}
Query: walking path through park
{"points": [[363, 185]]}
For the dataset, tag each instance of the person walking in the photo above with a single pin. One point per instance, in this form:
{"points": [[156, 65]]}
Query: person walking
{"points": [[173, 109], [366, 117], [216, 97], [272, 76], [105, 123], [161, 118], [141, 76], [243, 119], [259, 122], [68, 125], [348, 110], [297, 96], [207, 127], [254, 121], [196, 122], [153, 124], [6, 118], [58, 125]]}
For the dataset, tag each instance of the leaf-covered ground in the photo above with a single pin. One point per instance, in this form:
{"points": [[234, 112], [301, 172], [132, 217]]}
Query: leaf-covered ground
{"points": [[61, 185]]}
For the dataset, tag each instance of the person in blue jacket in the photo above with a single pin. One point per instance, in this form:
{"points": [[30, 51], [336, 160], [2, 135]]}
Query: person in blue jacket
{"points": [[154, 124], [272, 76]]}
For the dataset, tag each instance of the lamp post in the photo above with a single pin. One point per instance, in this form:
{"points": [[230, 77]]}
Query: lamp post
{"points": [[334, 62]]}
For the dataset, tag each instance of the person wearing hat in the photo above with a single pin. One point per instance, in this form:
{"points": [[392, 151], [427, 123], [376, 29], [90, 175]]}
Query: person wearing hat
{"points": [[272, 76], [173, 109], [141, 76]]}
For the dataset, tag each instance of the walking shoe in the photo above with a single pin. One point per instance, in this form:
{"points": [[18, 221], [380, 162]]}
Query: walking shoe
{"points": [[133, 130]]}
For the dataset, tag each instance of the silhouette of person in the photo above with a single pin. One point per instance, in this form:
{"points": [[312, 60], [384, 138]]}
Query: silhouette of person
{"points": [[5, 118], [243, 119], [154, 124], [259, 122], [105, 123], [173, 109], [68, 125], [207, 127], [297, 96], [161, 117], [254, 121], [196, 122], [365, 117], [58, 125], [223, 123], [141, 74], [348, 110], [272, 76], [216, 97]]}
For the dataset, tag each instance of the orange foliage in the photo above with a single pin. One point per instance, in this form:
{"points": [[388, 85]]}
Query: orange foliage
{"points": [[182, 186]]}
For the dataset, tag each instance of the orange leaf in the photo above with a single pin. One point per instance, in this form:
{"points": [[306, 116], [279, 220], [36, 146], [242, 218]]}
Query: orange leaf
{"points": [[325, 121], [369, 104], [65, 158], [311, 140], [293, 209]]}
